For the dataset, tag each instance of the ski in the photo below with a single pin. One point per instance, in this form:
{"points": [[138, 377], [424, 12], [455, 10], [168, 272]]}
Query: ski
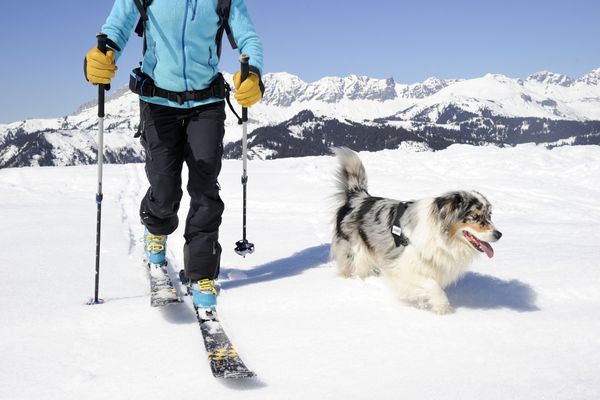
{"points": [[225, 362], [162, 291]]}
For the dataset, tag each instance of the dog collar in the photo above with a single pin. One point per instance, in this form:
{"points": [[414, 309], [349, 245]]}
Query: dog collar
{"points": [[399, 238]]}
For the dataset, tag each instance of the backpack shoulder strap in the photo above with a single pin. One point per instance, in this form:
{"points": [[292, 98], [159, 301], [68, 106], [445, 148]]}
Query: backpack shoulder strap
{"points": [[223, 8], [141, 5]]}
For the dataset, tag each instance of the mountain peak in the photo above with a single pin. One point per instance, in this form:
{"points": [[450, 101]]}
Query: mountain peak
{"points": [[550, 78], [432, 80], [428, 87], [283, 89], [592, 78]]}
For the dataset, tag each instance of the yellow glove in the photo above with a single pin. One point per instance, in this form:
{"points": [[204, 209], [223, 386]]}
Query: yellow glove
{"points": [[99, 67], [249, 92]]}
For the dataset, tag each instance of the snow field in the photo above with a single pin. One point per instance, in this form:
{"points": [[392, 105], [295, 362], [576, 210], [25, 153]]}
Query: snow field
{"points": [[526, 323]]}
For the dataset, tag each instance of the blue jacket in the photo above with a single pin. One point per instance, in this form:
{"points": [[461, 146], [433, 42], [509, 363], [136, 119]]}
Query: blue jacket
{"points": [[181, 52]]}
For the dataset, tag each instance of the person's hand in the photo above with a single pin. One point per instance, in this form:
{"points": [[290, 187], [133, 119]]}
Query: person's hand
{"points": [[99, 67], [249, 92]]}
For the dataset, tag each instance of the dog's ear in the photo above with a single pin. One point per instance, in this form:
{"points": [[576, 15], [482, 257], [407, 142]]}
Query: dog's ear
{"points": [[448, 203], [447, 208]]}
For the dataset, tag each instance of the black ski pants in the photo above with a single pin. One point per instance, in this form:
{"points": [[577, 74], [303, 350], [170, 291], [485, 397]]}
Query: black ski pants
{"points": [[171, 136]]}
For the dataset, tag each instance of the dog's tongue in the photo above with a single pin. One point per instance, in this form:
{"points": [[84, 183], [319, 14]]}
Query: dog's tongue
{"points": [[489, 251], [480, 244]]}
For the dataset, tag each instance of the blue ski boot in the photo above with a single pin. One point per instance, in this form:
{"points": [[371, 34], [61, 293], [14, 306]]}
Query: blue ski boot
{"points": [[204, 294], [155, 247]]}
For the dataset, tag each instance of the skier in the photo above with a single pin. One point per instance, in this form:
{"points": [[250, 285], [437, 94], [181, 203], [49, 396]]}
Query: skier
{"points": [[182, 117]]}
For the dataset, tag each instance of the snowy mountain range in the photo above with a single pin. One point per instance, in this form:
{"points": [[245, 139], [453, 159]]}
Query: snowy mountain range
{"points": [[297, 118]]}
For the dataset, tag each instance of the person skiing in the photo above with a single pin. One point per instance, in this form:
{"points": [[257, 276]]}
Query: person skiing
{"points": [[182, 114]]}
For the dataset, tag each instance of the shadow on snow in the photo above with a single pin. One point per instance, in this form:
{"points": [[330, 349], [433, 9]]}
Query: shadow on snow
{"points": [[474, 290], [283, 268], [487, 292]]}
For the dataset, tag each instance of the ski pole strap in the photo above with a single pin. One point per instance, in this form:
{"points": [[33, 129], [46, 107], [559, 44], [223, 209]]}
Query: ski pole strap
{"points": [[143, 85], [228, 98]]}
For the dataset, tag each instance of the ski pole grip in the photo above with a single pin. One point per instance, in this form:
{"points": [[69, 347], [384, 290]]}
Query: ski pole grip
{"points": [[102, 40], [244, 72], [244, 67]]}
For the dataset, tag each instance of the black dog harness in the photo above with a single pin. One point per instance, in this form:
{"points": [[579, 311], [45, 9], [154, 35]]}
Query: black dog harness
{"points": [[399, 238]]}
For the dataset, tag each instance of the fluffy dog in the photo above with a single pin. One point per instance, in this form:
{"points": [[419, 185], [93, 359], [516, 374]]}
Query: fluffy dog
{"points": [[421, 246]]}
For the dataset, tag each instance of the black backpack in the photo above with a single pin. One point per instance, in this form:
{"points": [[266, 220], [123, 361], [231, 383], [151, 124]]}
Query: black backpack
{"points": [[223, 8]]}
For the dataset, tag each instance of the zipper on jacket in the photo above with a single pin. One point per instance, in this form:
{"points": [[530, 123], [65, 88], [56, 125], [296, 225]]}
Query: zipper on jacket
{"points": [[187, 6]]}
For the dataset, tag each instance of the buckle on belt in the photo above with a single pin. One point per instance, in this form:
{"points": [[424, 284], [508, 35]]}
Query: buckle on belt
{"points": [[151, 89], [176, 97], [144, 87]]}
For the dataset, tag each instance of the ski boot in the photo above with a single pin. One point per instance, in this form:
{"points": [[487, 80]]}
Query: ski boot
{"points": [[204, 294], [155, 247]]}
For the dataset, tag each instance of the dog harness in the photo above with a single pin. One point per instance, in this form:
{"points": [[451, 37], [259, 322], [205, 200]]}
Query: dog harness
{"points": [[399, 238]]}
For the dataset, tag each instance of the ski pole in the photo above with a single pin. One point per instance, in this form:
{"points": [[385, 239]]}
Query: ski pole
{"points": [[102, 38], [243, 247]]}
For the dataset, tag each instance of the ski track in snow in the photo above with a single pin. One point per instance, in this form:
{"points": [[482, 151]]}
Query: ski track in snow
{"points": [[526, 323], [127, 199]]}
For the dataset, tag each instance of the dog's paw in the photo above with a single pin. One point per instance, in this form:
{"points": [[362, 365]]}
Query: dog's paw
{"points": [[442, 308], [344, 273], [421, 304]]}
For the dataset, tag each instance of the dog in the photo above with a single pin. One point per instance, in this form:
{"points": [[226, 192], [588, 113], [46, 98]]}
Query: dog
{"points": [[421, 246]]}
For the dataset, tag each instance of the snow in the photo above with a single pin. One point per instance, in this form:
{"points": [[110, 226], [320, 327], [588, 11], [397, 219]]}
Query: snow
{"points": [[298, 131], [592, 78], [550, 78], [526, 323]]}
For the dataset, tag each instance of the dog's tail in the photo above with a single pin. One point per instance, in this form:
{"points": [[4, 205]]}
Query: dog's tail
{"points": [[351, 175]]}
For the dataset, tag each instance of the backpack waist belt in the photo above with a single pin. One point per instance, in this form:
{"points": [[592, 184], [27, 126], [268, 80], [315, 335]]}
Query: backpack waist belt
{"points": [[143, 85]]}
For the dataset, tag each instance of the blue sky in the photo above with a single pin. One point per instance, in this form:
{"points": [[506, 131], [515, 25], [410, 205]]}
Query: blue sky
{"points": [[43, 43]]}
